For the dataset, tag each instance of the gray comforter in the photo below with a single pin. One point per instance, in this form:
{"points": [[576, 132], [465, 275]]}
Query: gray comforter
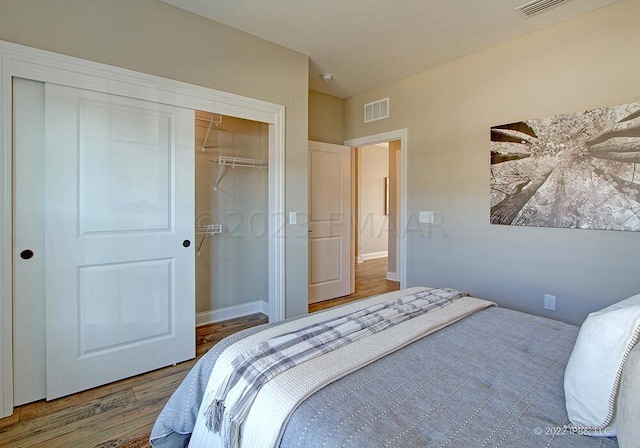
{"points": [[492, 379]]}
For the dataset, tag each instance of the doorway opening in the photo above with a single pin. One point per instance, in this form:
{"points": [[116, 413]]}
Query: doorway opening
{"points": [[231, 217], [377, 197], [376, 187], [378, 167]]}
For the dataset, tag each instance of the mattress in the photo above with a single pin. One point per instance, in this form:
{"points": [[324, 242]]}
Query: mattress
{"points": [[494, 378]]}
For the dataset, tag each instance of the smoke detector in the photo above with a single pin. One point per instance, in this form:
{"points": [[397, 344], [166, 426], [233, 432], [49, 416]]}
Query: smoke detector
{"points": [[327, 77]]}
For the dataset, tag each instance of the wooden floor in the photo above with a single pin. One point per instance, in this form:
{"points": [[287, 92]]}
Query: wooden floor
{"points": [[121, 414], [370, 280], [118, 414]]}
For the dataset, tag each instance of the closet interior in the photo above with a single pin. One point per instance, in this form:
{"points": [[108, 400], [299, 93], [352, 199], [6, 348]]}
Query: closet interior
{"points": [[231, 206]]}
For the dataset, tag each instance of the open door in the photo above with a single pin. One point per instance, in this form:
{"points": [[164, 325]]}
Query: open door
{"points": [[119, 260], [329, 221]]}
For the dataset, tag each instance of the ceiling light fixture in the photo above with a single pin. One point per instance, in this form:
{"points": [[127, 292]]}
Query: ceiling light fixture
{"points": [[327, 77]]}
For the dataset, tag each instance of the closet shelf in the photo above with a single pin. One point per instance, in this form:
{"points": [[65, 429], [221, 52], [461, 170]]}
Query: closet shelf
{"points": [[225, 162], [207, 230]]}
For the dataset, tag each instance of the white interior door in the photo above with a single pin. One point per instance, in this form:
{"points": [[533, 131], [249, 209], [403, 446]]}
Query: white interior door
{"points": [[329, 221], [29, 366], [119, 263]]}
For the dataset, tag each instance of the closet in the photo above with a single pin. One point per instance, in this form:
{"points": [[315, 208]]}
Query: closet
{"points": [[231, 215], [100, 254]]}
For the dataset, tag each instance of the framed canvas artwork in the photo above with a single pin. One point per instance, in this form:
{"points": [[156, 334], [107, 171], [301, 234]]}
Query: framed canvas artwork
{"points": [[579, 170]]}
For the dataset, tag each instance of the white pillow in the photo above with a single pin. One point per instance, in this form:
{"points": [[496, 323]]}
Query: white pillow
{"points": [[592, 376], [628, 411]]}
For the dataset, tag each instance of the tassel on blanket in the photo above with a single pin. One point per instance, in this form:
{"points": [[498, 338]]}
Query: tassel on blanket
{"points": [[214, 415], [218, 422], [231, 434]]}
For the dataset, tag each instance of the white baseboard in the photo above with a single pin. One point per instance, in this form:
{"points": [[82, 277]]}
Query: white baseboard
{"points": [[393, 276], [231, 312], [373, 255]]}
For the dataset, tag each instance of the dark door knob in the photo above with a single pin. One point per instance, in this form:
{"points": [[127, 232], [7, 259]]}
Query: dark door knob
{"points": [[186, 243], [26, 254]]}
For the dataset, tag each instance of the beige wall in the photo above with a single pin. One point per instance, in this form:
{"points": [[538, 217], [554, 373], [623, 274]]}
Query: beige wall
{"points": [[373, 166], [581, 64], [152, 37], [326, 122]]}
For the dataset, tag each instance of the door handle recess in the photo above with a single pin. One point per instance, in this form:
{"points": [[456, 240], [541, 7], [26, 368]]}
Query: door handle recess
{"points": [[26, 254], [186, 243]]}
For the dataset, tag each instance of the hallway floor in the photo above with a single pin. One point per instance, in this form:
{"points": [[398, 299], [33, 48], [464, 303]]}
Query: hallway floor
{"points": [[370, 280]]}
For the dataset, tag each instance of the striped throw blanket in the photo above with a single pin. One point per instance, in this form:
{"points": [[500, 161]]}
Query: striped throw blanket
{"points": [[253, 368]]}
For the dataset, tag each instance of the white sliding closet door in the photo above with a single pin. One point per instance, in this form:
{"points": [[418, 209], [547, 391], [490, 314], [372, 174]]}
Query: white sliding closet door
{"points": [[119, 260], [29, 374]]}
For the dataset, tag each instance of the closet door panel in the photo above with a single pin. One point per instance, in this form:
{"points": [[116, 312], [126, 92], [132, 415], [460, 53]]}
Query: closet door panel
{"points": [[119, 227], [29, 367], [124, 168]]}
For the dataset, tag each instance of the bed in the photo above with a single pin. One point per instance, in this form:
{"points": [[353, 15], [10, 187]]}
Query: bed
{"points": [[493, 377]]}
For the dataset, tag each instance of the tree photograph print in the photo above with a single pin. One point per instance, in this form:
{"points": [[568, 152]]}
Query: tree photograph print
{"points": [[579, 170]]}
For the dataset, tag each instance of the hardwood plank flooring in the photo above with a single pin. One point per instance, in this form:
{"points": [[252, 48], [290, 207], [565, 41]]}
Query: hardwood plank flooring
{"points": [[122, 413], [370, 280], [117, 414]]}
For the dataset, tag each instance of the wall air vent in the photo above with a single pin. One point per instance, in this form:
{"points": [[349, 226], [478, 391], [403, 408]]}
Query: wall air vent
{"points": [[539, 6], [376, 110]]}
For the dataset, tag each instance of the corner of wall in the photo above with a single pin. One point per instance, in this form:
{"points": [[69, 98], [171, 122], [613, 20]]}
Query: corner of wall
{"points": [[326, 118]]}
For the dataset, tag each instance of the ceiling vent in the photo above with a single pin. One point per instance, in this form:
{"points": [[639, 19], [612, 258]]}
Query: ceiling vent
{"points": [[539, 6], [376, 110]]}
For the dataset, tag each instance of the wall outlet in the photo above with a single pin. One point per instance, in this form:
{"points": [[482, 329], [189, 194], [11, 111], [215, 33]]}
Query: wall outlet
{"points": [[426, 217], [549, 302]]}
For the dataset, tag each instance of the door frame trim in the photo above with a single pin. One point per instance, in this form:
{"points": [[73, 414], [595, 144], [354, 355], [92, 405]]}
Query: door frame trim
{"points": [[40, 65], [402, 135]]}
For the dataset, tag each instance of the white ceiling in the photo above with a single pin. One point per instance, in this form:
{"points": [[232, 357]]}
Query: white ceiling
{"points": [[367, 43]]}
